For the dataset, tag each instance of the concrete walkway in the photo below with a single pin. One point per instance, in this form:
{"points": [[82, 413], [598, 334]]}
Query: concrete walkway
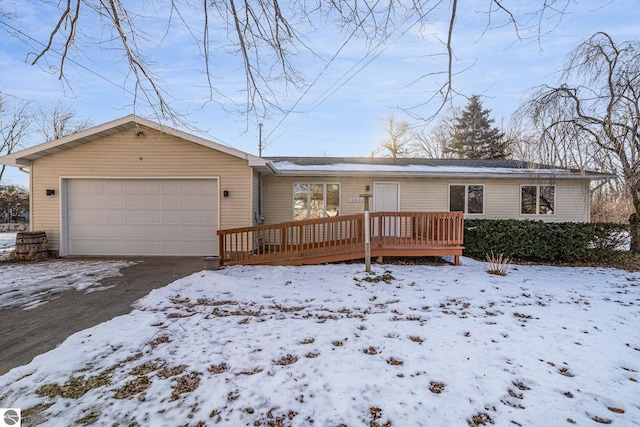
{"points": [[26, 334]]}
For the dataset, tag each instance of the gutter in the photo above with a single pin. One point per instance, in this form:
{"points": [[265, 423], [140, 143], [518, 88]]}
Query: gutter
{"points": [[444, 175]]}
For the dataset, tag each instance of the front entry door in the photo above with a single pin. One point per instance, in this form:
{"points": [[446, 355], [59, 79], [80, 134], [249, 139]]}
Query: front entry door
{"points": [[385, 199]]}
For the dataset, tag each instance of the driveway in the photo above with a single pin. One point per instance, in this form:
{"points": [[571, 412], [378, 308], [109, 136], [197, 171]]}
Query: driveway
{"points": [[25, 334]]}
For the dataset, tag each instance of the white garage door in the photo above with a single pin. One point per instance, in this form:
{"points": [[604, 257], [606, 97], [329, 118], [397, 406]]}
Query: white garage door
{"points": [[152, 217]]}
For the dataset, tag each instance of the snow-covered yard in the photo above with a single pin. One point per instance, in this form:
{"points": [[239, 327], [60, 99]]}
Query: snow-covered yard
{"points": [[334, 346]]}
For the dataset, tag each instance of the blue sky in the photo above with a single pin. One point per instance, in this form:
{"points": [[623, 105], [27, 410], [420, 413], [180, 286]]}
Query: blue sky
{"points": [[339, 115]]}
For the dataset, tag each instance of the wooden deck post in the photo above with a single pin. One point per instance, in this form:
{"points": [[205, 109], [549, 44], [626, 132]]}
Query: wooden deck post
{"points": [[367, 242], [367, 233]]}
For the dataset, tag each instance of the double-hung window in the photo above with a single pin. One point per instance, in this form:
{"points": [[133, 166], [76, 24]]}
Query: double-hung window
{"points": [[537, 199], [315, 200], [466, 198]]}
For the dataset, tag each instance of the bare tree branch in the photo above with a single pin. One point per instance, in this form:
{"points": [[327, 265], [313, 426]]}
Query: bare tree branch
{"points": [[268, 34]]}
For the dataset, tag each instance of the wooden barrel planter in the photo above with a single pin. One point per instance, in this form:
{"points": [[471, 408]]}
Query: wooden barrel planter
{"points": [[32, 245]]}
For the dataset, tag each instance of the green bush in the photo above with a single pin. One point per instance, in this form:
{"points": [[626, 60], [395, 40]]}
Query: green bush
{"points": [[543, 241]]}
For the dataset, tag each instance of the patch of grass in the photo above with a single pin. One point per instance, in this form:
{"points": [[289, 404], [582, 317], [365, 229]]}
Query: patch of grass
{"points": [[394, 362], [166, 372], [219, 369], [90, 418], [254, 371], [133, 387], [386, 277], [436, 387], [480, 419], [186, 384], [601, 420], [370, 351], [34, 413], [76, 387], [286, 360]]}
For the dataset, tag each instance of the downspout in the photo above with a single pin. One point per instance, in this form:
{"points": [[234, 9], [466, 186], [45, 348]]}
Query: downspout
{"points": [[260, 218]]}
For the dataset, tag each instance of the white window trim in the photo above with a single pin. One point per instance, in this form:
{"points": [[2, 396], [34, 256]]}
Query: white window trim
{"points": [[324, 197], [537, 213], [466, 198]]}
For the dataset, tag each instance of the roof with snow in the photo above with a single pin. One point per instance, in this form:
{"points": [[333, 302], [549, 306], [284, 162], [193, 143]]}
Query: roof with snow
{"points": [[417, 167]]}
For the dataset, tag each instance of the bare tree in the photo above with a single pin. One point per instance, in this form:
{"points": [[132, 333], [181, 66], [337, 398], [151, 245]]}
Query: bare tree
{"points": [[265, 34], [397, 142], [15, 120], [432, 142], [60, 120], [14, 203], [595, 112]]}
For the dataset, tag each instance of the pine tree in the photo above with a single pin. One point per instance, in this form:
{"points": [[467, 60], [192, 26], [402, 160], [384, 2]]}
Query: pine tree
{"points": [[473, 137]]}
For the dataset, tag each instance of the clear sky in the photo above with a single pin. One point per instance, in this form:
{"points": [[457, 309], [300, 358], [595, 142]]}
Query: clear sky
{"points": [[339, 115]]}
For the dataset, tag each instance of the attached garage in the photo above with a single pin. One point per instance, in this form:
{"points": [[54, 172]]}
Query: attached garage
{"points": [[133, 187], [135, 216]]}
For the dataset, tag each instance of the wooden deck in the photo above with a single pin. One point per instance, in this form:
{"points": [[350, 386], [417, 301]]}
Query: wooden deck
{"points": [[317, 241]]}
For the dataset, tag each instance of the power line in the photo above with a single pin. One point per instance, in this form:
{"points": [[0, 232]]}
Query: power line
{"points": [[22, 33], [322, 98]]}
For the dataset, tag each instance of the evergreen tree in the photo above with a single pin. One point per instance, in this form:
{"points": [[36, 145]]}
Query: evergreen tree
{"points": [[473, 137]]}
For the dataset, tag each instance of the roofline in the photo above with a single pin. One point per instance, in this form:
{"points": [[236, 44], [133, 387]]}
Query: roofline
{"points": [[447, 175], [24, 157]]}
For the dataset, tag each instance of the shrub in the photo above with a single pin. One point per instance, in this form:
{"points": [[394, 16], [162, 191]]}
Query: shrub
{"points": [[543, 241], [498, 264]]}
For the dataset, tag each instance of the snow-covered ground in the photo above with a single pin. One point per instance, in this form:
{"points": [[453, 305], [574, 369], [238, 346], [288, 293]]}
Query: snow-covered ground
{"points": [[332, 345], [7, 243], [29, 285]]}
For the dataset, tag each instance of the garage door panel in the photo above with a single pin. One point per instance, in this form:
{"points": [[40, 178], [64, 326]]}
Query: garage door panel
{"points": [[134, 187], [142, 217]]}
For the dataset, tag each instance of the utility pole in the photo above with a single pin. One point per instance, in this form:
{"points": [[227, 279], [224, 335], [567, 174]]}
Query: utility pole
{"points": [[259, 139]]}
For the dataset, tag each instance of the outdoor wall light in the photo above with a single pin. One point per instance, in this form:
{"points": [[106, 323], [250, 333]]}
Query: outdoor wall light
{"points": [[367, 188], [51, 192], [225, 193]]}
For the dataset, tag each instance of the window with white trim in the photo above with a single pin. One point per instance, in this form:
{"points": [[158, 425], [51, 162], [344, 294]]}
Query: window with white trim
{"points": [[315, 200], [537, 199], [467, 198]]}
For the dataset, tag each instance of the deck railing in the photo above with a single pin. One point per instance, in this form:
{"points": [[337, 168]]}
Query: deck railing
{"points": [[417, 228], [328, 238]]}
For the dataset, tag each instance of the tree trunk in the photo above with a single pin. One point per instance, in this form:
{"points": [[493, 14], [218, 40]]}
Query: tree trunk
{"points": [[634, 233]]}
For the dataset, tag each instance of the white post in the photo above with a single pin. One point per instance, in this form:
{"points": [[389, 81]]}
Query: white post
{"points": [[367, 242]]}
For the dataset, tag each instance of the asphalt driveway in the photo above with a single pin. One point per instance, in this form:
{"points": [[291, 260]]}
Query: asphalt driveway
{"points": [[25, 334]]}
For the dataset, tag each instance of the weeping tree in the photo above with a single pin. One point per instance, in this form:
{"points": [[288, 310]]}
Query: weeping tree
{"points": [[264, 35], [595, 110]]}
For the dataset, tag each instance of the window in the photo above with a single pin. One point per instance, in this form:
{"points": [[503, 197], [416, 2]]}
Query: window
{"points": [[537, 200], [466, 198], [312, 200]]}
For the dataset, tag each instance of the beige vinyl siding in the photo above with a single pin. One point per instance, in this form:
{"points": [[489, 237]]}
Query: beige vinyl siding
{"points": [[124, 155], [278, 195], [501, 196]]}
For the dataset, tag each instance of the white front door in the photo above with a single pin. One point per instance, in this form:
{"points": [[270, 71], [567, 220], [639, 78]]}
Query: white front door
{"points": [[386, 199]]}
